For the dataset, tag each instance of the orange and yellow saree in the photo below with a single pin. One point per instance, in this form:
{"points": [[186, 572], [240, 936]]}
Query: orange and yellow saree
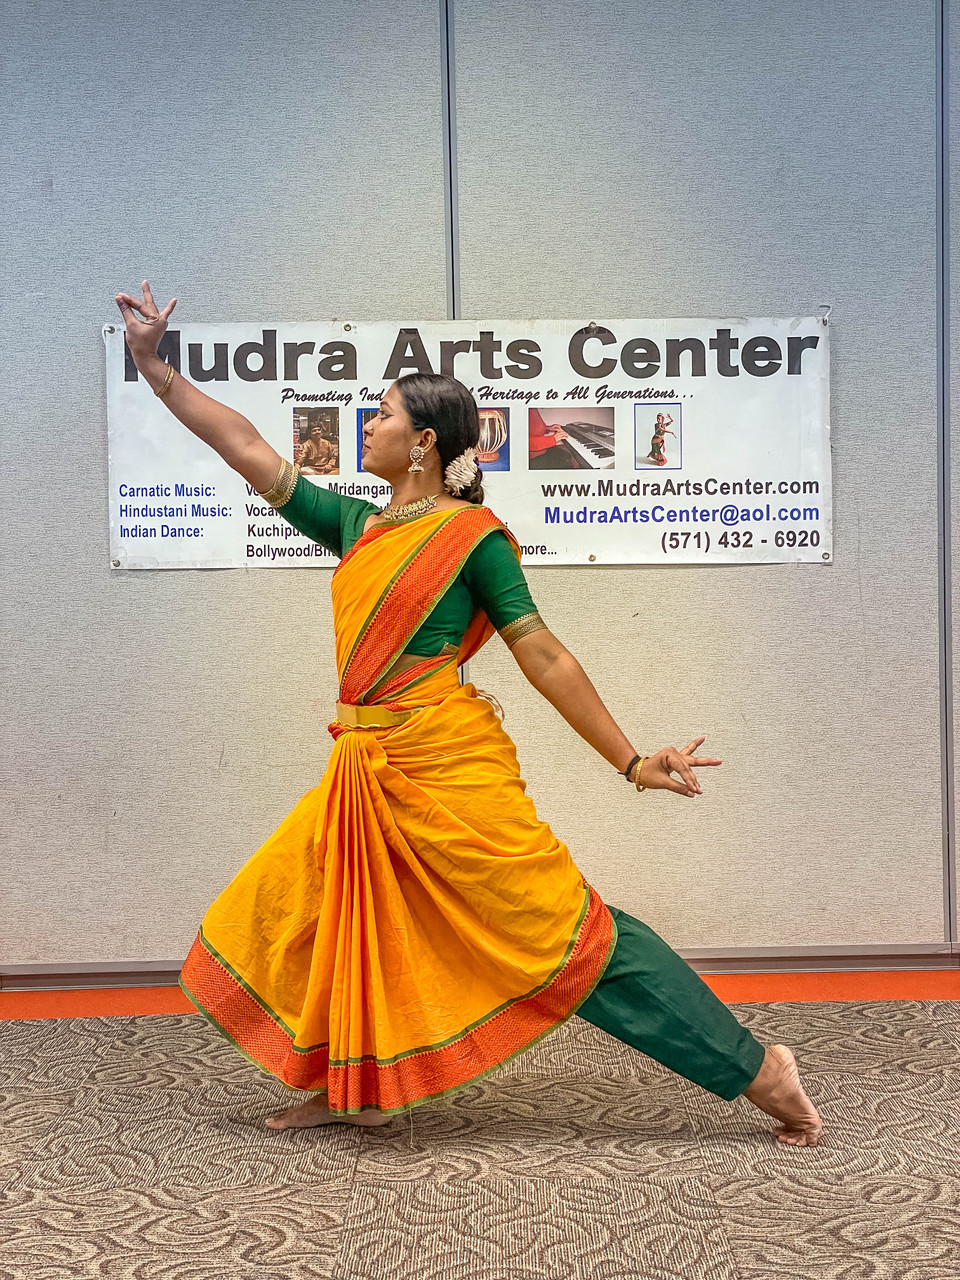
{"points": [[412, 924]]}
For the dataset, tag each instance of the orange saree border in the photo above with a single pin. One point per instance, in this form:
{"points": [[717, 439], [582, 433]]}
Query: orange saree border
{"points": [[423, 1074]]}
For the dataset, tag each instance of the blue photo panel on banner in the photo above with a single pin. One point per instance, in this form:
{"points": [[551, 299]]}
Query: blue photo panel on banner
{"points": [[363, 415]]}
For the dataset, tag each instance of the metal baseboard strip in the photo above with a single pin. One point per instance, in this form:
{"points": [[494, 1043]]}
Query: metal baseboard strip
{"points": [[89, 976], [818, 959], [863, 958]]}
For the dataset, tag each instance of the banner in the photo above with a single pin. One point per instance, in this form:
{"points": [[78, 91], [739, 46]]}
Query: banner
{"points": [[612, 442]]}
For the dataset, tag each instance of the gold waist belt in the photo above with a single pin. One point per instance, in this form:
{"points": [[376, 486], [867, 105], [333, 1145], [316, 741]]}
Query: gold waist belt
{"points": [[371, 717]]}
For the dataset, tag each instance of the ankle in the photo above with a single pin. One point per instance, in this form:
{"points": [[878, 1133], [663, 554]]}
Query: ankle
{"points": [[765, 1078]]}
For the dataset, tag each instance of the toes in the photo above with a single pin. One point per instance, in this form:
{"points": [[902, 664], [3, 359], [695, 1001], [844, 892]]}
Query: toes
{"points": [[791, 1138]]}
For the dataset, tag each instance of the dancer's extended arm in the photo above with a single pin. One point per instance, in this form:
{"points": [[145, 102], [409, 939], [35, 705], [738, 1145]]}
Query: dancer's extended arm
{"points": [[233, 436], [553, 671]]}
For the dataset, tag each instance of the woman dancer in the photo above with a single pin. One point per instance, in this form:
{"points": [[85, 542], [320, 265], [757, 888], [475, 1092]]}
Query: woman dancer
{"points": [[658, 453], [412, 924]]}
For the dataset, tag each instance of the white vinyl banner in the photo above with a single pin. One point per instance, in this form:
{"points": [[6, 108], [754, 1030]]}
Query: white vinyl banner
{"points": [[614, 442]]}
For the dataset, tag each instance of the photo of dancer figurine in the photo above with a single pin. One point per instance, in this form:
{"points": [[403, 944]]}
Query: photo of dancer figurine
{"points": [[656, 433], [316, 441]]}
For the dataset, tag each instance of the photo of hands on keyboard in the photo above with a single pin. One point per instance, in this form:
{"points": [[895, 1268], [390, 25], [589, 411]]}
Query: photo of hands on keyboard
{"points": [[571, 439]]}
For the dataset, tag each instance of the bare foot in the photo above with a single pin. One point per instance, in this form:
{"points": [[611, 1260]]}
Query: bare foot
{"points": [[777, 1091], [315, 1112]]}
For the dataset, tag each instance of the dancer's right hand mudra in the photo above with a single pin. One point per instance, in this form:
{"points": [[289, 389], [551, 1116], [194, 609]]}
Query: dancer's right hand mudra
{"points": [[232, 435], [145, 322]]}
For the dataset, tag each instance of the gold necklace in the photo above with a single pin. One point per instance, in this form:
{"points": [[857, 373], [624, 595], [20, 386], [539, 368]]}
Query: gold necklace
{"points": [[416, 508]]}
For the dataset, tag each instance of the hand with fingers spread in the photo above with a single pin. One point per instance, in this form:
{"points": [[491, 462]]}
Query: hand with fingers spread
{"points": [[144, 330], [656, 771]]}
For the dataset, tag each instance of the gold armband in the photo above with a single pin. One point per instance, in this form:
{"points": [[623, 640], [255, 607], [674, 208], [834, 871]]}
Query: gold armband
{"points": [[521, 627], [282, 491]]}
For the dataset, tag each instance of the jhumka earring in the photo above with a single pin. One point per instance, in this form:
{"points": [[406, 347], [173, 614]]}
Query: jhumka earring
{"points": [[416, 457]]}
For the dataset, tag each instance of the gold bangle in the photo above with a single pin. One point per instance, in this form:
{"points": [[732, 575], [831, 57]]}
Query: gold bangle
{"points": [[167, 382], [281, 491], [636, 776]]}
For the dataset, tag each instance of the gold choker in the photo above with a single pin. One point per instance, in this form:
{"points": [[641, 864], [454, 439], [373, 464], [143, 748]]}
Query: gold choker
{"points": [[416, 508]]}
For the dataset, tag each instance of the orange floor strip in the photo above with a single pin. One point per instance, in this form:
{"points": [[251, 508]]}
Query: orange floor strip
{"points": [[887, 984], [897, 984], [100, 1003]]}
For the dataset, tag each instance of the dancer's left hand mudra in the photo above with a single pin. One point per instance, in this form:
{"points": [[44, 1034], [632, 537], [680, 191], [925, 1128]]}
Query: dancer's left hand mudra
{"points": [[658, 770], [553, 670]]}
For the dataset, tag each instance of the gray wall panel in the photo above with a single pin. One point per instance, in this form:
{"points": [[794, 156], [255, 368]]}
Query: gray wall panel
{"points": [[712, 160], [267, 163], [952, 407]]}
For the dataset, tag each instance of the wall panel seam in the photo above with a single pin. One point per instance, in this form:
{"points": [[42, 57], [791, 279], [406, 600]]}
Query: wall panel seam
{"points": [[448, 91], [944, 496]]}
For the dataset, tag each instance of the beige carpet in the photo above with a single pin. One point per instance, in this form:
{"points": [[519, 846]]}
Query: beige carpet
{"points": [[133, 1148]]}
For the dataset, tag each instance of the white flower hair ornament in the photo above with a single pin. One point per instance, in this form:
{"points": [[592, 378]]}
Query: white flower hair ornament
{"points": [[460, 473]]}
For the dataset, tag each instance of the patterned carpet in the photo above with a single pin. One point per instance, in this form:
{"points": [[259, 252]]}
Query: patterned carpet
{"points": [[133, 1148]]}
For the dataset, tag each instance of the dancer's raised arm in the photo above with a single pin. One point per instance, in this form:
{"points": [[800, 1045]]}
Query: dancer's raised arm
{"points": [[233, 436], [553, 671]]}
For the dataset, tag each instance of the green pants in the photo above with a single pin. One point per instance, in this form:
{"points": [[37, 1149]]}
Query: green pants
{"points": [[651, 999]]}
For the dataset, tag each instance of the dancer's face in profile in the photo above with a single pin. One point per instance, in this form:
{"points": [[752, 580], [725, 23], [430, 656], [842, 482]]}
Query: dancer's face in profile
{"points": [[386, 440]]}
